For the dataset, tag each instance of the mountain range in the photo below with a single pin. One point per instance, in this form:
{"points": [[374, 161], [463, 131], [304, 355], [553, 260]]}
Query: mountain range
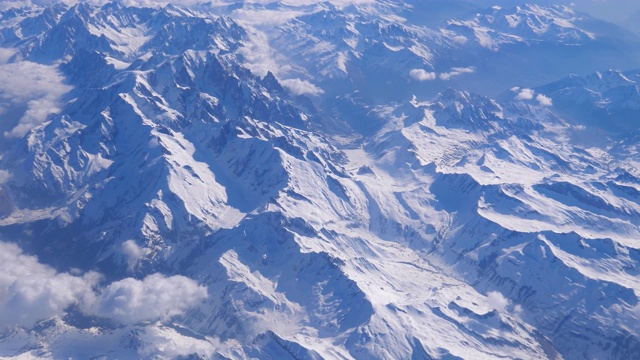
{"points": [[318, 180]]}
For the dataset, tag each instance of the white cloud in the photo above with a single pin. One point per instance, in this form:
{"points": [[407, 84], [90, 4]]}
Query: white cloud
{"points": [[544, 100], [31, 291], [156, 297], [8, 4], [264, 16], [4, 176], [301, 87], [160, 343], [517, 309], [259, 55], [497, 301], [456, 71], [460, 39], [530, 94], [422, 75], [36, 87], [6, 54], [132, 251], [525, 94]]}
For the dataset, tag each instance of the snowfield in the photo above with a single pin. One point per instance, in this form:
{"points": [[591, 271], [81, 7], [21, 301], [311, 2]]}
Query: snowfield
{"points": [[303, 180]]}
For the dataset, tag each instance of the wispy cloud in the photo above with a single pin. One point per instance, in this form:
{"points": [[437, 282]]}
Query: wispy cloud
{"points": [[6, 54], [4, 176], [133, 252], [301, 87], [34, 87], [253, 17], [338, 3], [456, 71], [260, 57], [167, 343], [6, 4], [497, 301]]}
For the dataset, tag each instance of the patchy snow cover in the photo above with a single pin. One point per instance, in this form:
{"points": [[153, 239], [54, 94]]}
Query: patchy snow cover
{"points": [[187, 200]]}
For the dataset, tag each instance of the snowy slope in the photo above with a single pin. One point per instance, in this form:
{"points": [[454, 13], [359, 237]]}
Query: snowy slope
{"points": [[242, 187], [528, 23], [609, 100], [519, 194], [385, 51]]}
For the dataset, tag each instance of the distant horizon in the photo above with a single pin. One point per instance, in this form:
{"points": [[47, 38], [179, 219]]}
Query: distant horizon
{"points": [[621, 12], [334, 179]]}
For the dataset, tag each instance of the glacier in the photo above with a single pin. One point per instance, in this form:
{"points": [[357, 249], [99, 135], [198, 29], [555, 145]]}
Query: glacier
{"points": [[318, 180]]}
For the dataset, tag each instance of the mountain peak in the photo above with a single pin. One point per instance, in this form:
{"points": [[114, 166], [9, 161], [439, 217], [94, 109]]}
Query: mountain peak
{"points": [[316, 180]]}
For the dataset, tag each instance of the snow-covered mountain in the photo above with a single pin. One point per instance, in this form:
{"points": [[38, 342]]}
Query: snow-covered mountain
{"points": [[608, 100], [386, 51], [255, 180]]}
